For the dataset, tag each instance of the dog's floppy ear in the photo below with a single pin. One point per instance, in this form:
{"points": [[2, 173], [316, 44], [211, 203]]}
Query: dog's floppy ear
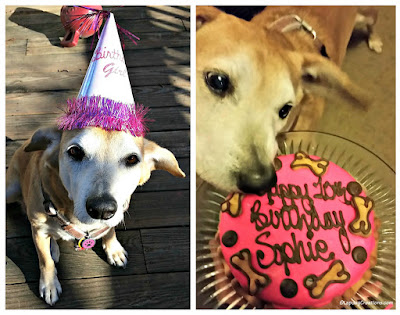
{"points": [[205, 14], [43, 138], [322, 77], [46, 139], [158, 158]]}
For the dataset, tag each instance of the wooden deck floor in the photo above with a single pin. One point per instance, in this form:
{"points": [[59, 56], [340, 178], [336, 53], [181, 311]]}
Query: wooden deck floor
{"points": [[40, 76]]}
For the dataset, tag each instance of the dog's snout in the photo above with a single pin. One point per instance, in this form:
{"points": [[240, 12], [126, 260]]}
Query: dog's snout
{"points": [[103, 207], [257, 181]]}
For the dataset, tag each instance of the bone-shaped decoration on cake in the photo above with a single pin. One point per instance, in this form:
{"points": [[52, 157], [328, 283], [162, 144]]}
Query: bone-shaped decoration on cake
{"points": [[361, 225], [233, 205], [335, 274], [302, 160], [256, 280]]}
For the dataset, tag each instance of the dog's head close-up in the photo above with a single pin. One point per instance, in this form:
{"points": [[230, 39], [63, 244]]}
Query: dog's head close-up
{"points": [[250, 87], [100, 169]]}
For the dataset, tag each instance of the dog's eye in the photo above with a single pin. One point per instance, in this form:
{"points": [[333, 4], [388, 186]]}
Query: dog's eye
{"points": [[76, 153], [285, 110], [219, 83], [132, 160]]}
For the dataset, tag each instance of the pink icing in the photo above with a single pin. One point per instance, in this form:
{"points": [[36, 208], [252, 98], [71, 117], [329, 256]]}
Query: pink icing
{"points": [[336, 241]]}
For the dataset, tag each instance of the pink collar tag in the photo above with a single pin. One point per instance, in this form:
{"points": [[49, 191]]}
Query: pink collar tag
{"points": [[84, 244]]}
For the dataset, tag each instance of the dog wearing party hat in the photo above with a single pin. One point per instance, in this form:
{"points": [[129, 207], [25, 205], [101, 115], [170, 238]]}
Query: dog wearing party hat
{"points": [[76, 178], [258, 78]]}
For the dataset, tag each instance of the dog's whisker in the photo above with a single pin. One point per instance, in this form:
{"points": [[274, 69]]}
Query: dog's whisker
{"points": [[291, 147], [300, 144], [217, 194], [316, 149], [308, 148], [214, 202], [123, 223]]}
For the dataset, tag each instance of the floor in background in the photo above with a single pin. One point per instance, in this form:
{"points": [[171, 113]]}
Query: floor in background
{"points": [[373, 129]]}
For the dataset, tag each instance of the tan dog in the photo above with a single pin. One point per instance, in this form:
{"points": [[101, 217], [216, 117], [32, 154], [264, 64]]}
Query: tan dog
{"points": [[256, 79], [87, 176]]}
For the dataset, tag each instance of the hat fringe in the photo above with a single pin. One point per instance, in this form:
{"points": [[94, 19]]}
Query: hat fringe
{"points": [[97, 111]]}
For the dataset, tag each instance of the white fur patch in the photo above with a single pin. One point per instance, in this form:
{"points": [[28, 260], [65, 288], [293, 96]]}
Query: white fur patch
{"points": [[102, 171], [233, 128], [116, 254]]}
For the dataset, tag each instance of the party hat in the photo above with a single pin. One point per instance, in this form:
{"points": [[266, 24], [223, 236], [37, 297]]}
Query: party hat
{"points": [[105, 99]]}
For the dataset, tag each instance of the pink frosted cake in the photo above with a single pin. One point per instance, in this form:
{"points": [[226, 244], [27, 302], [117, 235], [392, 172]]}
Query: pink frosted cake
{"points": [[310, 242]]}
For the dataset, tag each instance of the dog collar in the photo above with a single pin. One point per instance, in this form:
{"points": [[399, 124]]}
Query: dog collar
{"points": [[83, 241], [293, 22]]}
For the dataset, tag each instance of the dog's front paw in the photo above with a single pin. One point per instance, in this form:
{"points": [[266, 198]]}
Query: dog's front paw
{"points": [[49, 287], [116, 254]]}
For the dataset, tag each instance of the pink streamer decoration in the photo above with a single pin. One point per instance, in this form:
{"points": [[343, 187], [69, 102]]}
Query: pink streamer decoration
{"points": [[97, 111]]}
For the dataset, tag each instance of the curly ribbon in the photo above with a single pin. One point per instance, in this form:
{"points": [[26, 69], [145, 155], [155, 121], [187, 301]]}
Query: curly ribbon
{"points": [[94, 17]]}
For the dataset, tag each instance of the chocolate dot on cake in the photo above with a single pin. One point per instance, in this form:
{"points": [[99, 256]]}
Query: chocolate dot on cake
{"points": [[288, 288], [230, 238], [354, 188], [359, 254]]}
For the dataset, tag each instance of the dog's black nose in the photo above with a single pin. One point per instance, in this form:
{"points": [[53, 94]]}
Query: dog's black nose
{"points": [[258, 181], [103, 207]]}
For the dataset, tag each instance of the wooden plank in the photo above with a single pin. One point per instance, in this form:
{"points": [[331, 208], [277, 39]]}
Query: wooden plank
{"points": [[178, 142], [31, 10], [19, 29], [16, 47], [45, 102], [140, 12], [50, 81], [162, 180], [166, 249], [147, 209], [39, 46], [127, 17], [23, 266], [74, 62], [165, 119], [159, 209], [17, 224], [162, 291]]}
